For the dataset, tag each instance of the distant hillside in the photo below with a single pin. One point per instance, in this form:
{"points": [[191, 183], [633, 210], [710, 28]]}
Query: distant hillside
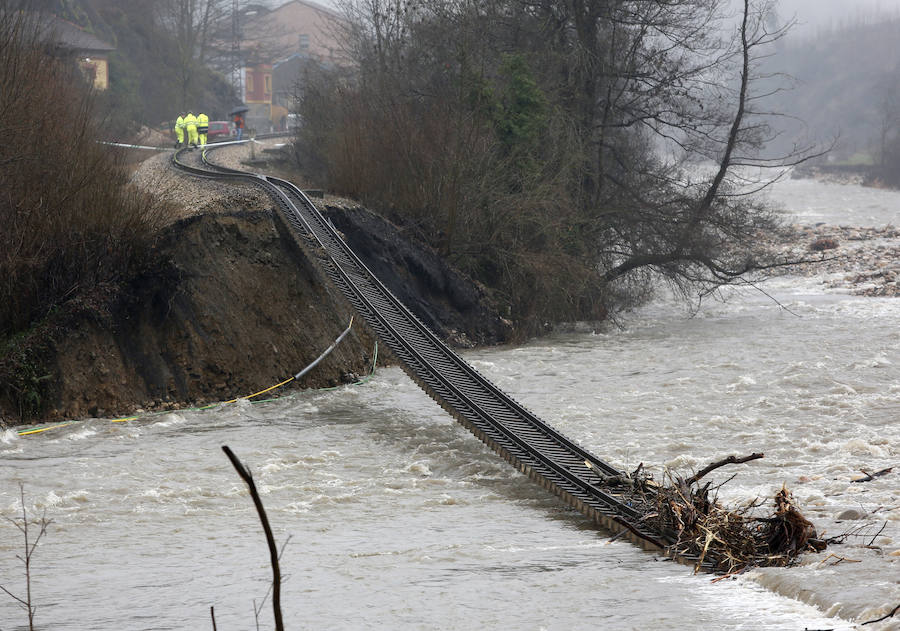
{"points": [[842, 77], [148, 83]]}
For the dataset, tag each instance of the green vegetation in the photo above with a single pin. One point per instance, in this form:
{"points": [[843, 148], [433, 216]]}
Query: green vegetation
{"points": [[859, 158]]}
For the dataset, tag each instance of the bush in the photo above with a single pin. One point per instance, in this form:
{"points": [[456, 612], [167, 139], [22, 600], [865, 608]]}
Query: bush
{"points": [[465, 168], [70, 221]]}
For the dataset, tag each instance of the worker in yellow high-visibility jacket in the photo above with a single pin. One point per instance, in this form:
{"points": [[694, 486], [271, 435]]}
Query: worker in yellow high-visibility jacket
{"points": [[179, 130], [190, 124], [202, 127]]}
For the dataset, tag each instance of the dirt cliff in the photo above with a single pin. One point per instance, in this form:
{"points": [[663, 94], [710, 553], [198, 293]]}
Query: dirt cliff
{"points": [[232, 304]]}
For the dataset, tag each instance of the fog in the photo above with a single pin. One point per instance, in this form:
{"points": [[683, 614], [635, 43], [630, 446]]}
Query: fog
{"points": [[809, 13], [812, 14]]}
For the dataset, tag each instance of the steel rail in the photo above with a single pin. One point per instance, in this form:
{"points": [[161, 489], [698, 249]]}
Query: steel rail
{"points": [[535, 448]]}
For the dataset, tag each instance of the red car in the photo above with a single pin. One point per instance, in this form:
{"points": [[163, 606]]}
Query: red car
{"points": [[218, 130]]}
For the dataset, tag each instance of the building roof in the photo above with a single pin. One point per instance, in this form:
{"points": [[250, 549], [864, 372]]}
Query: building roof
{"points": [[69, 36], [311, 5], [297, 26], [289, 59]]}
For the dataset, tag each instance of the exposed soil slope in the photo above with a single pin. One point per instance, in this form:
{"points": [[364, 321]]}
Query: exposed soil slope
{"points": [[233, 304], [445, 300]]}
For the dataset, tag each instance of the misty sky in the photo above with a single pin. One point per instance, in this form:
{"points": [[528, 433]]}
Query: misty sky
{"points": [[810, 13], [813, 13]]}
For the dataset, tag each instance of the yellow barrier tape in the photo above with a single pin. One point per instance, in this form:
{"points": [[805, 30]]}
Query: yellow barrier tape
{"points": [[124, 420], [250, 396], [39, 430]]}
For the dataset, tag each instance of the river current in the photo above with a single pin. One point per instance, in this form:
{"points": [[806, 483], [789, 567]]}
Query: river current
{"points": [[394, 517]]}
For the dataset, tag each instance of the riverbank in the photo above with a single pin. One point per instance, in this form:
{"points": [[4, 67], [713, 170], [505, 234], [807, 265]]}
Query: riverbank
{"points": [[232, 304], [187, 332], [832, 174], [859, 260]]}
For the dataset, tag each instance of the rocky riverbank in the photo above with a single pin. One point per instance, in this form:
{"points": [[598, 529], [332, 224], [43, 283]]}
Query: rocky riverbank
{"points": [[863, 261]]}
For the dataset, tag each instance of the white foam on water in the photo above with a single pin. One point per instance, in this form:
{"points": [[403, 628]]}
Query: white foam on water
{"points": [[394, 507]]}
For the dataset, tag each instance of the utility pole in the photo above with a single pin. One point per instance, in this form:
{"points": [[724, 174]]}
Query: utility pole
{"points": [[236, 64]]}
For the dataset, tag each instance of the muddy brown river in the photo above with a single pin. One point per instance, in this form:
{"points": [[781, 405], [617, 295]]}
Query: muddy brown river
{"points": [[397, 518]]}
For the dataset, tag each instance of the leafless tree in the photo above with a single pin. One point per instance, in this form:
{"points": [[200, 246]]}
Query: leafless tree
{"points": [[71, 225], [192, 26], [704, 235], [274, 554], [31, 542], [564, 145]]}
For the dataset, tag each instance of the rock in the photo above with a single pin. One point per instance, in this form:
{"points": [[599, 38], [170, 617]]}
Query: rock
{"points": [[458, 310], [867, 265], [851, 514], [823, 243]]}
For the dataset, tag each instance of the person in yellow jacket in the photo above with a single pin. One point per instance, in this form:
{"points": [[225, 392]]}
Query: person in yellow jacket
{"points": [[190, 124], [179, 130], [202, 127]]}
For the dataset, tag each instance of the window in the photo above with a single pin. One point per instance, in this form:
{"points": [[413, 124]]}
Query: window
{"points": [[249, 83], [268, 80], [304, 42]]}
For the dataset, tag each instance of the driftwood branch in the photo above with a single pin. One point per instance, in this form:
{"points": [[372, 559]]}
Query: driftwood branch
{"points": [[877, 534], [890, 615], [871, 476], [247, 477], [839, 559], [721, 463]]}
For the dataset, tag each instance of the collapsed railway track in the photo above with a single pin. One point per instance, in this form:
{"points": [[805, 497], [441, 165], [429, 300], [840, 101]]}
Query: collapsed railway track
{"points": [[585, 482]]}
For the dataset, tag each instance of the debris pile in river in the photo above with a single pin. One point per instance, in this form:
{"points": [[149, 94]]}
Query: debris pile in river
{"points": [[724, 539]]}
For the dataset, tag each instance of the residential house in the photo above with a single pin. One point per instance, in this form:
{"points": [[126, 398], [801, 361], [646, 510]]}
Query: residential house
{"points": [[298, 26], [275, 45], [89, 51]]}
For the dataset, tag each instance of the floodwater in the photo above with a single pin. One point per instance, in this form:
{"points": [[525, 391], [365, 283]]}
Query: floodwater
{"points": [[394, 517]]}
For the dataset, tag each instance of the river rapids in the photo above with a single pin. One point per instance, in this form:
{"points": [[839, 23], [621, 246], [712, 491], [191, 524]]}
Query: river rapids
{"points": [[392, 516]]}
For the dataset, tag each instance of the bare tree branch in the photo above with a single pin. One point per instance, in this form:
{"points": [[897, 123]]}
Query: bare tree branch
{"points": [[26, 602], [721, 463], [247, 477]]}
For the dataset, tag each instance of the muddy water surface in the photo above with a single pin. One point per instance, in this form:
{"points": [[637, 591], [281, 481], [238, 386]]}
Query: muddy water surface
{"points": [[397, 518]]}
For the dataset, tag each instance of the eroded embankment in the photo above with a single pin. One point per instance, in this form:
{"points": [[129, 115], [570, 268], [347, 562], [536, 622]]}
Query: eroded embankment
{"points": [[231, 306], [232, 303]]}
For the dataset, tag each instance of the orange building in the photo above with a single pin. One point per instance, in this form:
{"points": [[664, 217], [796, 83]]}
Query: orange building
{"points": [[257, 81], [276, 43]]}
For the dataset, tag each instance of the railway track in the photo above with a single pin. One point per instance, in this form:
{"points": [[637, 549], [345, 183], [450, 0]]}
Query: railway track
{"points": [[581, 479]]}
